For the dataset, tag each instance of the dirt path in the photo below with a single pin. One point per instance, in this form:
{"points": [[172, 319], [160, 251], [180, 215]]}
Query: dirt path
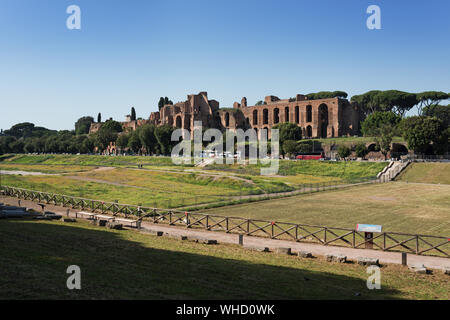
{"points": [[222, 237]]}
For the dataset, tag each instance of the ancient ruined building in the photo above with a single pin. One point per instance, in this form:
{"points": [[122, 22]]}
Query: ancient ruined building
{"points": [[321, 118]]}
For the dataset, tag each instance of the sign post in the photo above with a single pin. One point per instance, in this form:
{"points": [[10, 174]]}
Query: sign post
{"points": [[368, 230]]}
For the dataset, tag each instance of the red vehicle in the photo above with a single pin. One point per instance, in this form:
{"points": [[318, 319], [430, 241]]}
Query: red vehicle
{"points": [[310, 156]]}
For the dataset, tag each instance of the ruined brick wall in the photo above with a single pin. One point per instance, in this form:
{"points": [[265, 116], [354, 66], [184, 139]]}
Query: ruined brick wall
{"points": [[324, 118]]}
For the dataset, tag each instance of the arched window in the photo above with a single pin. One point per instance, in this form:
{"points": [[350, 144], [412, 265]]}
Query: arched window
{"points": [[323, 120], [265, 116], [255, 117], [227, 119], [276, 115], [178, 122], [309, 131], [286, 114], [297, 115], [308, 113]]}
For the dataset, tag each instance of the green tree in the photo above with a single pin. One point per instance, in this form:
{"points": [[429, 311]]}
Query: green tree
{"points": [[160, 103], [122, 141], [368, 102], [327, 95], [133, 114], [16, 146], [419, 132], [430, 99], [361, 150], [383, 138], [20, 130], [112, 125], [29, 145], [134, 142], [148, 139], [99, 117], [397, 101], [163, 135], [288, 131], [305, 147], [104, 137], [290, 147], [88, 145], [5, 141], [372, 124], [344, 151], [83, 125], [440, 112]]}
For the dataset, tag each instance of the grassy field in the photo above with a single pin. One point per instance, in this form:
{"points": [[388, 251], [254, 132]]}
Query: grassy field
{"points": [[86, 160], [397, 206], [164, 194], [125, 264], [162, 184], [426, 173]]}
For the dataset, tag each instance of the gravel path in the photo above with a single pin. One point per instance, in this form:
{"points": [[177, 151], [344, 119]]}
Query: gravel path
{"points": [[222, 237]]}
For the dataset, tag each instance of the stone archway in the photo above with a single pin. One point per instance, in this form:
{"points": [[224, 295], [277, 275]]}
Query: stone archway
{"points": [[309, 131], [286, 114], [178, 122], [276, 115], [227, 119], [309, 113], [297, 115], [265, 116], [323, 120], [255, 117]]}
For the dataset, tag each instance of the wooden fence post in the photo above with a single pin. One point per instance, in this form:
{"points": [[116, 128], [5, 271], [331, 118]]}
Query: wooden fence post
{"points": [[417, 244]]}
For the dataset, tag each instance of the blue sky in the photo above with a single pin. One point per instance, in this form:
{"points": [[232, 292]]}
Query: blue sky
{"points": [[129, 53]]}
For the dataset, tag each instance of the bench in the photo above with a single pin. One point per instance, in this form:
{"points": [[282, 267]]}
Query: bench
{"points": [[103, 217], [83, 214], [127, 221]]}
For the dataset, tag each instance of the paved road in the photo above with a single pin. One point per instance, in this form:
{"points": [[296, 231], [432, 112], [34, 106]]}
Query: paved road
{"points": [[222, 237]]}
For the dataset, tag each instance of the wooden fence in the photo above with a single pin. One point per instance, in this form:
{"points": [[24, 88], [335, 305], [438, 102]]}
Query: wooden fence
{"points": [[386, 241]]}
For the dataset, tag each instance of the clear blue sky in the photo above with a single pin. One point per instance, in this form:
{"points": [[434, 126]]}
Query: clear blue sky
{"points": [[129, 53]]}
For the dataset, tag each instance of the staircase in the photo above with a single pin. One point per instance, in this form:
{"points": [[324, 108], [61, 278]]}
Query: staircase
{"points": [[392, 170], [205, 162]]}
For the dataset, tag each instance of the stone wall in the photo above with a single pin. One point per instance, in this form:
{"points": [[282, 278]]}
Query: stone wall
{"points": [[322, 118]]}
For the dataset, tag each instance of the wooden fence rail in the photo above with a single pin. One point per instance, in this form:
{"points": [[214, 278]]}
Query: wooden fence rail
{"points": [[386, 241]]}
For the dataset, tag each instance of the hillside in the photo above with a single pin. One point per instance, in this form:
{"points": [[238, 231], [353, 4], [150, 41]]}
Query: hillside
{"points": [[427, 172]]}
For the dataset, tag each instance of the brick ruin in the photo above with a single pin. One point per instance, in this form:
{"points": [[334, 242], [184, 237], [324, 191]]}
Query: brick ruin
{"points": [[320, 118]]}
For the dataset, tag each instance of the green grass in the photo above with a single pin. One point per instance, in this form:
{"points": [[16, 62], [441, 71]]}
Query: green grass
{"points": [[349, 141], [87, 160], [162, 185], [342, 170], [426, 173], [169, 196], [397, 206], [34, 257]]}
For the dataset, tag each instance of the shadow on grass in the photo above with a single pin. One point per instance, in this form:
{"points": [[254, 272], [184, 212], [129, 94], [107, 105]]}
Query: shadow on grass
{"points": [[34, 257]]}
